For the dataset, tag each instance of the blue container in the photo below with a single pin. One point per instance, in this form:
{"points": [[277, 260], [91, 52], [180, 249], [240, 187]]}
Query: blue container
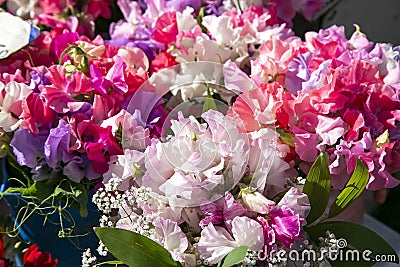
{"points": [[68, 251]]}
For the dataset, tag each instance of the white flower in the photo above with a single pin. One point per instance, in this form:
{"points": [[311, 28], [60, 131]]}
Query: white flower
{"points": [[255, 201], [11, 96], [171, 237], [266, 167], [127, 167], [185, 20], [215, 242], [198, 163], [24, 8]]}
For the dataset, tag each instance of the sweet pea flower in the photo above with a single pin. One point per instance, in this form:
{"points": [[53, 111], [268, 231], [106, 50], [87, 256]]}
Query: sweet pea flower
{"points": [[210, 160], [99, 144], [99, 8], [128, 167], [171, 237], [56, 147], [27, 146], [11, 98], [284, 223], [222, 211], [266, 165], [166, 28], [36, 113], [256, 202], [295, 201], [216, 242]]}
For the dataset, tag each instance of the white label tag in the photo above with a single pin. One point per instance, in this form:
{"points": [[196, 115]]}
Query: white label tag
{"points": [[15, 33]]}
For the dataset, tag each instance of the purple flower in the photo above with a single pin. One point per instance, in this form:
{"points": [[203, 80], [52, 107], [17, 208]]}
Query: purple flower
{"points": [[152, 115], [180, 5], [222, 211], [28, 147], [42, 172], [78, 168], [397, 49], [38, 78], [56, 147]]}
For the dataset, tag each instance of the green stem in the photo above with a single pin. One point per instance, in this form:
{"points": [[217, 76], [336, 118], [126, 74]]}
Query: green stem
{"points": [[109, 262]]}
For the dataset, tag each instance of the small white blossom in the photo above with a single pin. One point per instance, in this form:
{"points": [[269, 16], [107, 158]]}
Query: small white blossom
{"points": [[88, 259]]}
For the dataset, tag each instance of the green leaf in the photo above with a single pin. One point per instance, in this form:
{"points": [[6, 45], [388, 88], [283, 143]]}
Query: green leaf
{"points": [[286, 137], [236, 256], [210, 102], [41, 189], [200, 20], [353, 189], [134, 249], [357, 237], [318, 187]]}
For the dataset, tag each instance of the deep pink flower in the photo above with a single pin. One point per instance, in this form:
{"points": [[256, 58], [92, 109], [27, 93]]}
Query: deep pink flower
{"points": [[222, 211], [36, 113], [166, 28], [99, 144], [61, 42], [161, 61], [285, 225], [53, 6], [72, 83], [100, 8]]}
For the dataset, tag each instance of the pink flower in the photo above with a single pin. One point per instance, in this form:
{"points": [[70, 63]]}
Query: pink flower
{"points": [[222, 211], [99, 144], [171, 237], [275, 56], [166, 28], [305, 144], [100, 8], [72, 83], [286, 226], [53, 6], [216, 242], [11, 98], [161, 61], [36, 113]]}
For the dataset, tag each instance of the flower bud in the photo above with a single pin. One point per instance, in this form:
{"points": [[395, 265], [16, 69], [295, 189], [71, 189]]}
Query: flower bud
{"points": [[256, 202]]}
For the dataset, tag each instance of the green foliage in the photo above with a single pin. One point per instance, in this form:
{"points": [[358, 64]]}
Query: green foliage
{"points": [[357, 237], [234, 257], [134, 249], [318, 187], [353, 189]]}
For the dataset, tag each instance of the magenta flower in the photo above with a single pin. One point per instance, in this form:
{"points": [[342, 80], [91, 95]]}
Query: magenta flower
{"points": [[285, 225], [99, 144], [222, 211]]}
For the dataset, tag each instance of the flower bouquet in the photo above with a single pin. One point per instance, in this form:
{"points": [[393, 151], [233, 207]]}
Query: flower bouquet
{"points": [[213, 134]]}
